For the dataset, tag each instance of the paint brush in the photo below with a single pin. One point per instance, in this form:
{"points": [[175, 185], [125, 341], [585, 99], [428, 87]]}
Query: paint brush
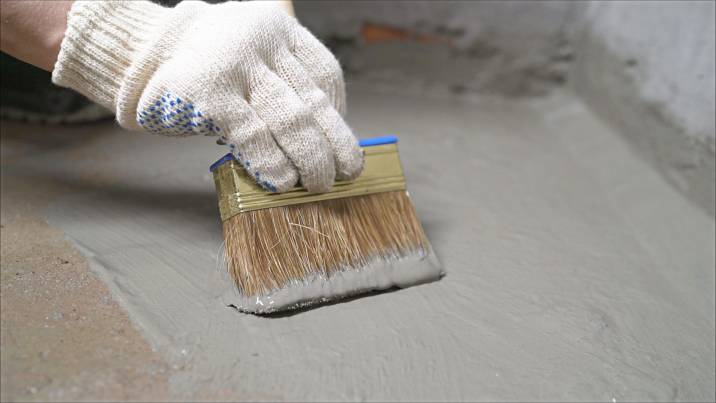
{"points": [[296, 249]]}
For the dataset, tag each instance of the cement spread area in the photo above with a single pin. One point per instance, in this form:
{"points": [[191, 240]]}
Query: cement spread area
{"points": [[574, 271]]}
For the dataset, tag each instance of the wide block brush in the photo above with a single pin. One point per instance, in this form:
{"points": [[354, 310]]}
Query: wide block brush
{"points": [[296, 249]]}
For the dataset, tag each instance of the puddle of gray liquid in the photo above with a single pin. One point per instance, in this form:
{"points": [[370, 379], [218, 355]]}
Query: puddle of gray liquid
{"points": [[575, 272]]}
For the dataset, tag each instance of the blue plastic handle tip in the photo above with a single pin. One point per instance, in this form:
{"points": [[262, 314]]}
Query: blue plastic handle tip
{"points": [[377, 141]]}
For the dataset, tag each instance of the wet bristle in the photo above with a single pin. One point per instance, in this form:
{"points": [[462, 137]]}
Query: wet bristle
{"points": [[270, 248]]}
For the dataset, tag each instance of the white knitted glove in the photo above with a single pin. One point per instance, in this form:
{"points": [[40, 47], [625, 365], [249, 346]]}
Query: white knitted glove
{"points": [[246, 71]]}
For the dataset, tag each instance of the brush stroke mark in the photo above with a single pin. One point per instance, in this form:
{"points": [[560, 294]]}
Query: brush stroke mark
{"points": [[576, 272]]}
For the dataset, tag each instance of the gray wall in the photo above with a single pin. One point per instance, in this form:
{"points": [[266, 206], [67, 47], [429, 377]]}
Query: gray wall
{"points": [[668, 48], [648, 68], [508, 48]]}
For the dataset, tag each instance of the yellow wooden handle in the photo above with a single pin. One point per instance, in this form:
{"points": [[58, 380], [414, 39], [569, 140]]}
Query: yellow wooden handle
{"points": [[238, 192]]}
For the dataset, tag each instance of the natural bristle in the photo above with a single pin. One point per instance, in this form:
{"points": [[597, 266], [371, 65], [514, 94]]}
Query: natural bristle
{"points": [[269, 249]]}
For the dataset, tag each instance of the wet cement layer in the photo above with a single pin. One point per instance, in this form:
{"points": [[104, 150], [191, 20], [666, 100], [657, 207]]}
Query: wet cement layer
{"points": [[376, 275], [574, 271]]}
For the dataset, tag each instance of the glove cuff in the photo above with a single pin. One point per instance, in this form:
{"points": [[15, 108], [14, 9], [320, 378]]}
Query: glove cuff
{"points": [[102, 41]]}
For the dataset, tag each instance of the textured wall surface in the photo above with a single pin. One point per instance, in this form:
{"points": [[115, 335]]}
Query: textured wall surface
{"points": [[648, 68], [508, 48], [668, 48]]}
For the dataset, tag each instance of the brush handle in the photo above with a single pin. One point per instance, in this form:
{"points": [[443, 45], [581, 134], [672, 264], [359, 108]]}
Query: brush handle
{"points": [[238, 192]]}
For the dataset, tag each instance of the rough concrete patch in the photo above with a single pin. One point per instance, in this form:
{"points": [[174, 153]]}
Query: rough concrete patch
{"points": [[509, 49], [481, 68], [64, 337]]}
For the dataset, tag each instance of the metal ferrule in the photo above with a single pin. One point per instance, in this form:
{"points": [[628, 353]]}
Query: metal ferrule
{"points": [[238, 192]]}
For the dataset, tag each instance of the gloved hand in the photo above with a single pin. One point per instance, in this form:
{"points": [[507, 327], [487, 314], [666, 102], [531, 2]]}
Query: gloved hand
{"points": [[245, 71]]}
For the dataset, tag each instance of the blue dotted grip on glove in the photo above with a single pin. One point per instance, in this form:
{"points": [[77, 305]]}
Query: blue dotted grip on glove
{"points": [[174, 115]]}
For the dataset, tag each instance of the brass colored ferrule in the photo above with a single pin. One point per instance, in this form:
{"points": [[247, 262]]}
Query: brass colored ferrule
{"points": [[238, 192]]}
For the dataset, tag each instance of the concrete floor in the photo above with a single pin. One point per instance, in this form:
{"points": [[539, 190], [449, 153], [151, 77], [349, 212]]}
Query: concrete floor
{"points": [[63, 336], [575, 272]]}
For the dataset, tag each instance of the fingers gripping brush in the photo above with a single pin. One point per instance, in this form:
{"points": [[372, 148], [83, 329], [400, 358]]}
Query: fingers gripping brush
{"points": [[295, 249]]}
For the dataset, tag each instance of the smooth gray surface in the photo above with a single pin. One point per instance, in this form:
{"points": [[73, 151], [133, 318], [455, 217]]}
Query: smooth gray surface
{"points": [[575, 272]]}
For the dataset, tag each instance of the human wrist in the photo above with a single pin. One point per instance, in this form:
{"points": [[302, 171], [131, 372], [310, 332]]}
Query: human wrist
{"points": [[32, 31], [55, 32], [100, 44]]}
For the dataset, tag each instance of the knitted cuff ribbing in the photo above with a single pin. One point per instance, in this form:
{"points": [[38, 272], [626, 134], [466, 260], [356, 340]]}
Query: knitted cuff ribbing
{"points": [[101, 41]]}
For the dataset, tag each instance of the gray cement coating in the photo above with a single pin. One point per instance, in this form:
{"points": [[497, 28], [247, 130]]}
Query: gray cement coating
{"points": [[380, 274], [575, 272]]}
